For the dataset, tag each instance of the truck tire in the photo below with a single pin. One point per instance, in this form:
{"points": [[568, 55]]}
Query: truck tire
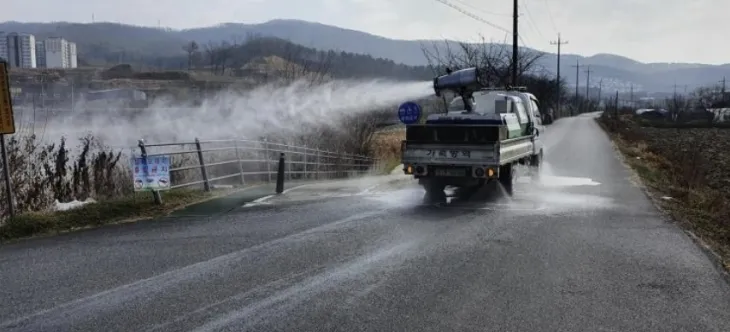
{"points": [[469, 191], [506, 179], [535, 166], [434, 191]]}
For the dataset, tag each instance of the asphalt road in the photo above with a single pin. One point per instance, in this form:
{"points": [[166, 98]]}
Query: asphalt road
{"points": [[583, 252]]}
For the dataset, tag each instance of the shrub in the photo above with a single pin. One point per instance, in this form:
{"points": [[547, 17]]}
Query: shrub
{"points": [[42, 173]]}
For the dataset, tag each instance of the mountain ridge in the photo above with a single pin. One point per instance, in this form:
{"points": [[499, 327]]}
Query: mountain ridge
{"points": [[618, 71]]}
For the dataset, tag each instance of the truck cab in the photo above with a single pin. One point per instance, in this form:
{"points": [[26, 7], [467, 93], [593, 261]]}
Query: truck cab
{"points": [[526, 109]]}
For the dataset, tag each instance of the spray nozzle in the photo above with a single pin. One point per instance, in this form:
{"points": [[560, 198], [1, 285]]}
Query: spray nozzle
{"points": [[460, 81]]}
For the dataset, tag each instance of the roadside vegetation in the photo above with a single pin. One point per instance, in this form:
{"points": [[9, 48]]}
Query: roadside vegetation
{"points": [[685, 166], [44, 175]]}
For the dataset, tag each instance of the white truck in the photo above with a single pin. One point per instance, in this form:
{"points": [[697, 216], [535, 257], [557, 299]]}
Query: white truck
{"points": [[483, 135]]}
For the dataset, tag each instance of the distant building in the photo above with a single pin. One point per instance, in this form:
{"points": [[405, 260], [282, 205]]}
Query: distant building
{"points": [[56, 53], [21, 50], [3, 46], [40, 54], [71, 55]]}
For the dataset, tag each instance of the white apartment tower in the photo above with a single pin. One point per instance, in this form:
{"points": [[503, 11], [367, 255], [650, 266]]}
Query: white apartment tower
{"points": [[21, 50], [71, 55], [56, 53], [3, 46], [40, 54]]}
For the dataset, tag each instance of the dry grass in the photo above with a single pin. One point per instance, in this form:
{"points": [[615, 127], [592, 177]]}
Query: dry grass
{"points": [[135, 206], [689, 166], [386, 147]]}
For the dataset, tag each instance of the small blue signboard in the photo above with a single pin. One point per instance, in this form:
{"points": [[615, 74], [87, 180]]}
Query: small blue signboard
{"points": [[151, 173], [409, 113]]}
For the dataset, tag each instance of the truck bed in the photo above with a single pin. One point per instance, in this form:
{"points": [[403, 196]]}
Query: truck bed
{"points": [[466, 154], [456, 134]]}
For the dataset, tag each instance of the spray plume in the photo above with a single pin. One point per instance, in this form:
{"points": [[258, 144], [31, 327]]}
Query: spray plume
{"points": [[264, 110]]}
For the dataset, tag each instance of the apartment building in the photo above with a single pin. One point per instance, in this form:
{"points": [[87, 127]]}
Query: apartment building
{"points": [[71, 55], [56, 49], [3, 46], [40, 54], [21, 50]]}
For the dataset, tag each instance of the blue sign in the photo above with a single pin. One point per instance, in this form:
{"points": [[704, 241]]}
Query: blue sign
{"points": [[152, 173], [409, 113]]}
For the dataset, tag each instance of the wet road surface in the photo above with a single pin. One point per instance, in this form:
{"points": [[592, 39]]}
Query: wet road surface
{"points": [[584, 251]]}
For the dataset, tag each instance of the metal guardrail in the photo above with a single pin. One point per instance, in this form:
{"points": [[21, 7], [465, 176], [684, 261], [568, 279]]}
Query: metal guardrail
{"points": [[240, 162]]}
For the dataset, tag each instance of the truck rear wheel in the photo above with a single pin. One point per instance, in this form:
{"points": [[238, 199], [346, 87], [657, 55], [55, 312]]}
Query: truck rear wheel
{"points": [[506, 175], [468, 191]]}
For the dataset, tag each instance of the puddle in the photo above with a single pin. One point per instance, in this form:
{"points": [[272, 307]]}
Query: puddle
{"points": [[566, 181]]}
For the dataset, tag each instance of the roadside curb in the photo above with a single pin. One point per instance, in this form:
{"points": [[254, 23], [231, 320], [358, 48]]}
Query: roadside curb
{"points": [[706, 249]]}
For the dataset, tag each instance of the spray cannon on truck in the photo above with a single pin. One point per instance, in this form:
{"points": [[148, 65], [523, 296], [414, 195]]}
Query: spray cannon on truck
{"points": [[482, 135]]}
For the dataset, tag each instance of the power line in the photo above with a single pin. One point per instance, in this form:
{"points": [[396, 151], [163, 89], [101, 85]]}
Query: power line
{"points": [[482, 10], [550, 15], [459, 9], [475, 17], [532, 21]]}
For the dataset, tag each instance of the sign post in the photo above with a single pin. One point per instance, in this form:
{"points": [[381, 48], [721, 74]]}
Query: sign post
{"points": [[409, 113], [7, 126], [151, 173]]}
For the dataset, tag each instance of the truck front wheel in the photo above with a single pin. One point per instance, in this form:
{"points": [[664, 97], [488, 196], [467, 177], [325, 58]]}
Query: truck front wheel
{"points": [[535, 164], [506, 175]]}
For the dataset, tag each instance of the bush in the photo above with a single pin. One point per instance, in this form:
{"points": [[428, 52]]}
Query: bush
{"points": [[43, 173]]}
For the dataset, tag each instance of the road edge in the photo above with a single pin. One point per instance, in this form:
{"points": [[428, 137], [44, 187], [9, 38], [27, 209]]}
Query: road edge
{"points": [[706, 249]]}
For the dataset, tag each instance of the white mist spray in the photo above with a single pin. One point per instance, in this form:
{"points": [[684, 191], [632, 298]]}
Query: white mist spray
{"points": [[266, 109]]}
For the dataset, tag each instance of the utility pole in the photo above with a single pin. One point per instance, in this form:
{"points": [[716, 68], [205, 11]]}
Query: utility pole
{"points": [[577, 83], [559, 43], [588, 83], [515, 49], [600, 88], [723, 84], [722, 92], [632, 95]]}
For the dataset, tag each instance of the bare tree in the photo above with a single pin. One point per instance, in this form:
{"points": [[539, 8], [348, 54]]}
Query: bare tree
{"points": [[302, 64], [191, 49], [219, 56], [676, 105], [494, 60]]}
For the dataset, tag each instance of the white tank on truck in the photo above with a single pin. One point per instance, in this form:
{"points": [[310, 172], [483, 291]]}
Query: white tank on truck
{"points": [[483, 134]]}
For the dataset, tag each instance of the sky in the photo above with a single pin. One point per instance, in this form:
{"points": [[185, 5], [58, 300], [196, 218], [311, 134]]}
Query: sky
{"points": [[644, 30]]}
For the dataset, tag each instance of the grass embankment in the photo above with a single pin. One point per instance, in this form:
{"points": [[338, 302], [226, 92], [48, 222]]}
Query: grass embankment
{"points": [[386, 148], [687, 171], [134, 207]]}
